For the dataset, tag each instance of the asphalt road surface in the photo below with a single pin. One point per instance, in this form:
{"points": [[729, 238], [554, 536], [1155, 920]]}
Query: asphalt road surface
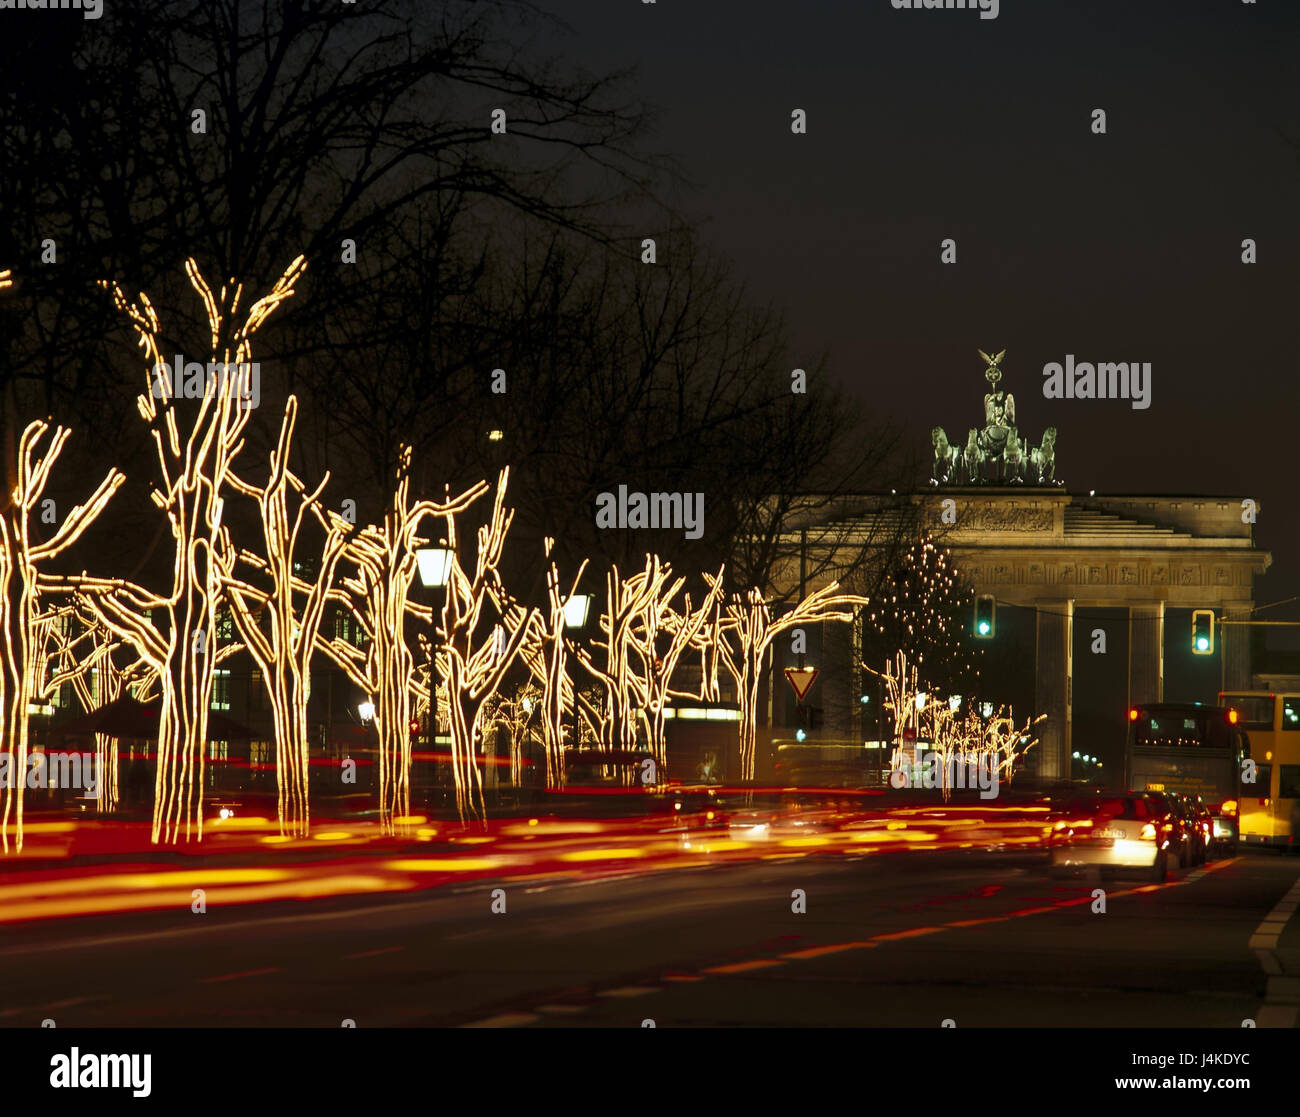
{"points": [[905, 941]]}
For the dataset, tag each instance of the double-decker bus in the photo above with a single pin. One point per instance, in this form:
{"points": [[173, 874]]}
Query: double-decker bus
{"points": [[1192, 750], [1270, 808]]}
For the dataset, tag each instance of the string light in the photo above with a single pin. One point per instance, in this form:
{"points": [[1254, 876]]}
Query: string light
{"points": [[376, 596], [23, 625], [184, 651], [744, 633], [476, 666], [284, 648]]}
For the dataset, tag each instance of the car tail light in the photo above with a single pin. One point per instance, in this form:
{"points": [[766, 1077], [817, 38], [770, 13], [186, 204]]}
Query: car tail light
{"points": [[1229, 807], [1149, 832]]}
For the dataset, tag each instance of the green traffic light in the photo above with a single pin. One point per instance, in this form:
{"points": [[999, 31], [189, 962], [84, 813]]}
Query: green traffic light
{"points": [[984, 628]]}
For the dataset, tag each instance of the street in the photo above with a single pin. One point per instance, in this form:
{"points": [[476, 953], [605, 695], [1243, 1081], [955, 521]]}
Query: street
{"points": [[908, 940]]}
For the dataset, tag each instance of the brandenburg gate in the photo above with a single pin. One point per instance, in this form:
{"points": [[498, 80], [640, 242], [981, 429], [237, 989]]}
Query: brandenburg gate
{"points": [[1016, 533]]}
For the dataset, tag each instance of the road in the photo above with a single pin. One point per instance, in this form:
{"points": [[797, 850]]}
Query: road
{"points": [[909, 940]]}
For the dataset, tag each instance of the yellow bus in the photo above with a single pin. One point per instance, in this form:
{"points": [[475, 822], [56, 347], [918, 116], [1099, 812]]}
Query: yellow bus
{"points": [[1270, 816]]}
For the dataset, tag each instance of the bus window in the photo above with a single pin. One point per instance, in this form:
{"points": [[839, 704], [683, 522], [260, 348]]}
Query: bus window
{"points": [[1291, 713], [1256, 711], [1288, 781]]}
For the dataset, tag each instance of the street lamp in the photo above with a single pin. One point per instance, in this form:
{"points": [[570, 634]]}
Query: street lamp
{"points": [[576, 609], [435, 565], [366, 711], [435, 572]]}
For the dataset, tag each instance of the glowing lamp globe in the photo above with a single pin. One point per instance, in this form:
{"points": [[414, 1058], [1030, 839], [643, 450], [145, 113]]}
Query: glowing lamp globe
{"points": [[435, 565], [576, 609]]}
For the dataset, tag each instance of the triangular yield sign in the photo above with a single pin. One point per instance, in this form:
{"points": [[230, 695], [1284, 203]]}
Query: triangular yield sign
{"points": [[801, 679]]}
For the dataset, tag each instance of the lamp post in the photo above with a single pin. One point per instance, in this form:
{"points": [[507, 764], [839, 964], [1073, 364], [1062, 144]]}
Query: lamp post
{"points": [[576, 609], [435, 570]]}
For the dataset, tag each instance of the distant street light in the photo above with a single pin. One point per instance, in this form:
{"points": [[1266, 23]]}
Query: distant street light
{"points": [[366, 710], [576, 609]]}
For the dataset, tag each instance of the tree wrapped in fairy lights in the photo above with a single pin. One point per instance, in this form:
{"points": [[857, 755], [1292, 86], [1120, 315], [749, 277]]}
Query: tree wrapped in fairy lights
{"points": [[382, 562], [621, 653], [84, 654], [279, 619], [743, 632], [957, 733], [924, 608], [481, 634], [546, 656], [24, 620], [194, 471]]}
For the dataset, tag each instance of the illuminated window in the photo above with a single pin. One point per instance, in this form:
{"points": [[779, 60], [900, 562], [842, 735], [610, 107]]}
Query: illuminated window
{"points": [[225, 625], [256, 691], [346, 628], [221, 689], [1291, 713]]}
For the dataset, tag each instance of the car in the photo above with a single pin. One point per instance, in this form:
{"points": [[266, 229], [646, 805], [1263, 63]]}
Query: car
{"points": [[1113, 832], [1177, 826], [1201, 823]]}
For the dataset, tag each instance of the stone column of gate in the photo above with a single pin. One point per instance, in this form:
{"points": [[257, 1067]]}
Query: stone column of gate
{"points": [[1234, 645], [837, 682], [1146, 653], [1053, 685]]}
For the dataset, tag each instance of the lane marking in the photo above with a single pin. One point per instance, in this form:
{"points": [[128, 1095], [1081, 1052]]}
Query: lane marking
{"points": [[745, 967], [241, 973], [1281, 1007], [833, 948], [375, 953], [505, 1020]]}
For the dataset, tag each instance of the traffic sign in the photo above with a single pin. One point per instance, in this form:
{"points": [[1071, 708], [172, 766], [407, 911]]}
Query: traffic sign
{"points": [[801, 679]]}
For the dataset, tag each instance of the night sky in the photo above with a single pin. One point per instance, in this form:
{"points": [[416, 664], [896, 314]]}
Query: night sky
{"points": [[931, 124]]}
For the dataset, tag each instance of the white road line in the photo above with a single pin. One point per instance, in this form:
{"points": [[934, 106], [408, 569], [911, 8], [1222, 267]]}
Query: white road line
{"points": [[1281, 1007]]}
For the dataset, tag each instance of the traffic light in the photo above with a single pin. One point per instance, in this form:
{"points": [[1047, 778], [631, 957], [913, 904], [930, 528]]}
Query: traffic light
{"points": [[1203, 632], [985, 616]]}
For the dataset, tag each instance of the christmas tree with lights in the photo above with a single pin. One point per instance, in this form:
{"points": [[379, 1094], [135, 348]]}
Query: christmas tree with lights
{"points": [[924, 608]]}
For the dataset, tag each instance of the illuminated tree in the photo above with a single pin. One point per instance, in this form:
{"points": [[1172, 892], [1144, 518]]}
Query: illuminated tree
{"points": [[924, 608], [23, 622], [194, 470], [376, 595], [743, 634], [546, 658], [84, 654], [622, 651], [652, 676], [481, 634], [955, 733], [282, 635]]}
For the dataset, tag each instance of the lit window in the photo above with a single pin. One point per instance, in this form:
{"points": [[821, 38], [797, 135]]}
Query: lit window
{"points": [[220, 689]]}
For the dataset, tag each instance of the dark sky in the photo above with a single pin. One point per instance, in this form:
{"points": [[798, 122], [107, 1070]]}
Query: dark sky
{"points": [[931, 124]]}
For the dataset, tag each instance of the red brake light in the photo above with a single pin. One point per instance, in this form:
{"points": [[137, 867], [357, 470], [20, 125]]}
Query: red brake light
{"points": [[1232, 717], [1133, 714]]}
